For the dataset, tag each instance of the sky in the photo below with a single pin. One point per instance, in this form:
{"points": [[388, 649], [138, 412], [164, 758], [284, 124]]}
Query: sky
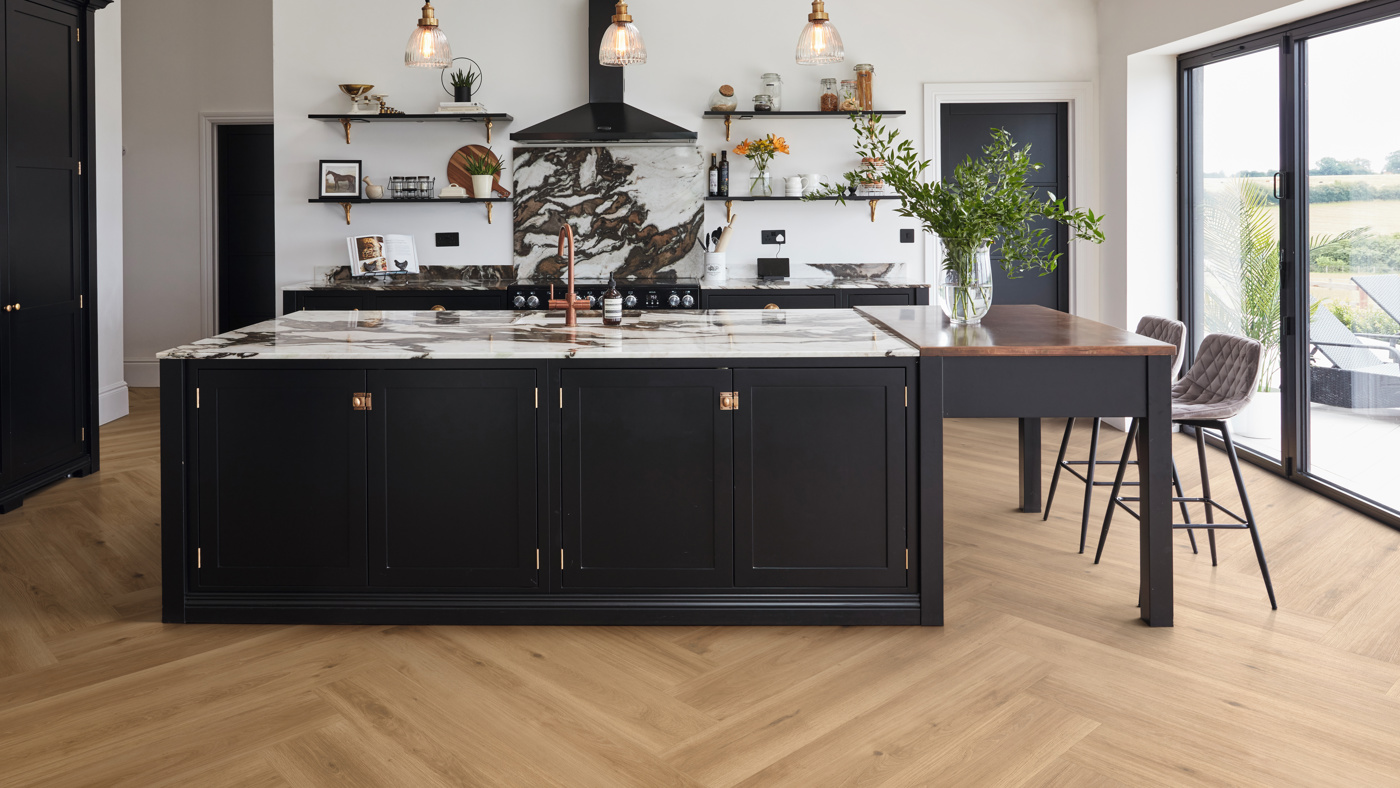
{"points": [[1352, 112]]}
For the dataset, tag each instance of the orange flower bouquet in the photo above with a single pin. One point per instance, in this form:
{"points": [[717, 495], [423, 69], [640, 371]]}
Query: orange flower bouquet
{"points": [[761, 152]]}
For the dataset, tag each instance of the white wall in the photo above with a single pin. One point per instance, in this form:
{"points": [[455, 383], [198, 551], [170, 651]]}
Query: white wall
{"points": [[107, 172], [179, 59], [533, 54], [1138, 44]]}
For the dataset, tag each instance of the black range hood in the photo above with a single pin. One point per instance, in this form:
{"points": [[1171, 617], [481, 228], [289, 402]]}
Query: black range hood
{"points": [[605, 118]]}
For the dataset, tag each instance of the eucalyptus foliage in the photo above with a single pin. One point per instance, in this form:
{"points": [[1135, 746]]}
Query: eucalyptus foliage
{"points": [[988, 199]]}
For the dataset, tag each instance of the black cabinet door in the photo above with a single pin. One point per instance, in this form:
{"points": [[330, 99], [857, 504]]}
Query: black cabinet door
{"points": [[280, 469], [422, 302], [335, 303], [454, 492], [820, 475], [44, 350], [648, 479], [762, 300], [880, 298]]}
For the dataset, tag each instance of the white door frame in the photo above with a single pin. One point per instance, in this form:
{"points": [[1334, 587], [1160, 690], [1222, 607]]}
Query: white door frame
{"points": [[1083, 160], [209, 207]]}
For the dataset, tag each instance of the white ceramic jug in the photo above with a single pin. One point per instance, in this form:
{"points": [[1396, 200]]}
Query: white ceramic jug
{"points": [[813, 183]]}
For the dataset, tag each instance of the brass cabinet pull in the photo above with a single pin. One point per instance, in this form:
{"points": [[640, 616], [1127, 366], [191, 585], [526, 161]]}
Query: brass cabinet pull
{"points": [[8, 307], [439, 308], [16, 307], [772, 306]]}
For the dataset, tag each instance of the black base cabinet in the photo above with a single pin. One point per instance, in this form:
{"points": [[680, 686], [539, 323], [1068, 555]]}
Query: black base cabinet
{"points": [[566, 492]]}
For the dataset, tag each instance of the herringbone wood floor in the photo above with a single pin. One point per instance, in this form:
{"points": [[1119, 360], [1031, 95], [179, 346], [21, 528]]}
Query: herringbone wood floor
{"points": [[1043, 676]]}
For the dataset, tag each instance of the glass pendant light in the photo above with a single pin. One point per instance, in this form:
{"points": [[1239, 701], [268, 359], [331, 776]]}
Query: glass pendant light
{"points": [[428, 47], [622, 45], [819, 43]]}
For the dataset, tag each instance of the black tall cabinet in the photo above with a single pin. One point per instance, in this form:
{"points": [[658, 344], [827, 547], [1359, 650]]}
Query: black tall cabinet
{"points": [[48, 366]]}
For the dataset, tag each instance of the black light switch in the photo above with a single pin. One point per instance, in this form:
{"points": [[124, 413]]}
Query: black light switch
{"points": [[906, 236], [448, 239]]}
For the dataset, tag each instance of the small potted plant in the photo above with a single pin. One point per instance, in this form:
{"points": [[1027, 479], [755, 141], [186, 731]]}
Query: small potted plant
{"points": [[483, 170], [987, 200], [463, 83]]}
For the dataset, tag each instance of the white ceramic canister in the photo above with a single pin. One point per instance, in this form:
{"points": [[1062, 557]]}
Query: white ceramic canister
{"points": [[716, 266]]}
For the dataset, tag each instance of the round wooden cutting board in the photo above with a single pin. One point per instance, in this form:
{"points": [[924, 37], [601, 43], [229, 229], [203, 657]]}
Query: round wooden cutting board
{"points": [[457, 171]]}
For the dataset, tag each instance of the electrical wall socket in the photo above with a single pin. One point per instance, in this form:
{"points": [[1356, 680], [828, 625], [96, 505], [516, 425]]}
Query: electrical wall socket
{"points": [[906, 236], [774, 236], [448, 239]]}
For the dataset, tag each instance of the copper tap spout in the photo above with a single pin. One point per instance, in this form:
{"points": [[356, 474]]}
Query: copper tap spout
{"points": [[570, 302]]}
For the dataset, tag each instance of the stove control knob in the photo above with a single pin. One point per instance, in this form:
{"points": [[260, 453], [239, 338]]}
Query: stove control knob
{"points": [[688, 301], [630, 302], [592, 302], [674, 301], [519, 301], [533, 302]]}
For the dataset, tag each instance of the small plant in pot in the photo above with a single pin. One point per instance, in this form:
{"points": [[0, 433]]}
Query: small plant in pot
{"points": [[483, 170], [464, 83], [988, 199]]}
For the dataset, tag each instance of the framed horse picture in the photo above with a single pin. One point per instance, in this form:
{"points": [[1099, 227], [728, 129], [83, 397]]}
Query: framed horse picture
{"points": [[340, 179]]}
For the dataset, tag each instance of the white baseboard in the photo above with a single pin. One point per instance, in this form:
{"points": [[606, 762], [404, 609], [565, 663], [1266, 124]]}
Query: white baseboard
{"points": [[112, 402], [143, 374]]}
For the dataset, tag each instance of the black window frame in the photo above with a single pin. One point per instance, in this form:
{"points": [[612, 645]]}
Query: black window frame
{"points": [[1291, 42]]}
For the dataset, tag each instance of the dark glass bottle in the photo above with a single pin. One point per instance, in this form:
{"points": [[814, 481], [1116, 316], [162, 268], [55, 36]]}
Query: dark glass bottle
{"points": [[714, 175], [612, 303], [724, 174]]}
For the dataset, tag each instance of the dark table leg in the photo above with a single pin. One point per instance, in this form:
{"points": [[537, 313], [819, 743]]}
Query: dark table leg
{"points": [[931, 491], [1029, 442], [1154, 465]]}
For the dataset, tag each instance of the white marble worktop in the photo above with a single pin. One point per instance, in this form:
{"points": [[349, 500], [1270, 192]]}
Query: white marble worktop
{"points": [[371, 335]]}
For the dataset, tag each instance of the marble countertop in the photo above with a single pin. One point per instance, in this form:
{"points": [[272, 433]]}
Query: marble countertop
{"points": [[373, 335], [375, 284], [804, 283]]}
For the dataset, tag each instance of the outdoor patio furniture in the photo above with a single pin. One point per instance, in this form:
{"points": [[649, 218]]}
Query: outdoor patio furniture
{"points": [[1384, 290], [1358, 378]]}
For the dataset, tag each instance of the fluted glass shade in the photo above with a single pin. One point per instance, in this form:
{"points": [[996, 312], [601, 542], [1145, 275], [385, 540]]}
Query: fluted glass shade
{"points": [[428, 48], [820, 44], [622, 46]]}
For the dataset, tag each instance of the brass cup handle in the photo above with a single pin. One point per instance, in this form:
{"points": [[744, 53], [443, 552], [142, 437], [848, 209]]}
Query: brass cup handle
{"points": [[439, 308], [772, 306], [8, 307]]}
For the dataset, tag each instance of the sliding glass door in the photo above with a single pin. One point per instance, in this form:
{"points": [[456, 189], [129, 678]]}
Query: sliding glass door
{"points": [[1291, 236]]}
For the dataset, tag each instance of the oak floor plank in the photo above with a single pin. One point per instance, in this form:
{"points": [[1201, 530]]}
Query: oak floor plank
{"points": [[245, 770], [22, 651], [337, 757], [1371, 627], [1063, 773]]}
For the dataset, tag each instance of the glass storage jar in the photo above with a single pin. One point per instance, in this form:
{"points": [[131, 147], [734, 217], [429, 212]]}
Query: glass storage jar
{"points": [[763, 103], [830, 101], [773, 86], [849, 101], [723, 100], [865, 86]]}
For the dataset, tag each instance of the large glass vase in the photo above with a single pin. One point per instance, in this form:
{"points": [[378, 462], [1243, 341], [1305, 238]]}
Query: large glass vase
{"points": [[966, 281]]}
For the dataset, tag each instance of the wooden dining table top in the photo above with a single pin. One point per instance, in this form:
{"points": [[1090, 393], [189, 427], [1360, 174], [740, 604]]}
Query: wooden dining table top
{"points": [[1012, 330]]}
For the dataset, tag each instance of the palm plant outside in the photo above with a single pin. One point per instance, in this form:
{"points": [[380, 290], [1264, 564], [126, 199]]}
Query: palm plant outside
{"points": [[1243, 277], [988, 199]]}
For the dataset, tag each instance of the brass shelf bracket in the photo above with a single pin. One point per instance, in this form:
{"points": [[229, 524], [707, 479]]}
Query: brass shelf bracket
{"points": [[873, 205], [728, 211], [728, 122], [346, 123], [347, 206], [489, 126], [490, 206]]}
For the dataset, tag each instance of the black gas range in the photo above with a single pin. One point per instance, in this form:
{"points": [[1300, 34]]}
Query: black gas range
{"points": [[636, 294]]}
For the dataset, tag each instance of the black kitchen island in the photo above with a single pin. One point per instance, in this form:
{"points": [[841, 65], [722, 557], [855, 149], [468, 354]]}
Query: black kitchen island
{"points": [[729, 467]]}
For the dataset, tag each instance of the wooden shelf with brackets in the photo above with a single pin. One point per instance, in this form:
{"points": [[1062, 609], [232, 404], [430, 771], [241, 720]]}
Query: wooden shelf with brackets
{"points": [[874, 201], [347, 119], [347, 203], [730, 117]]}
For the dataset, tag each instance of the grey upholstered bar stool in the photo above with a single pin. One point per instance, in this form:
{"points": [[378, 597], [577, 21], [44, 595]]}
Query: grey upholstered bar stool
{"points": [[1162, 329], [1218, 386]]}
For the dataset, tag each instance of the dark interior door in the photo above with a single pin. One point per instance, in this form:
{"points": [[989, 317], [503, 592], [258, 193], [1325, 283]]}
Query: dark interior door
{"points": [[280, 469], [247, 228], [1045, 126], [454, 491], [820, 475], [648, 479], [44, 346]]}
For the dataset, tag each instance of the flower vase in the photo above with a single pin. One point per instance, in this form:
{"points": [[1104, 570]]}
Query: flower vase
{"points": [[762, 184], [966, 280]]}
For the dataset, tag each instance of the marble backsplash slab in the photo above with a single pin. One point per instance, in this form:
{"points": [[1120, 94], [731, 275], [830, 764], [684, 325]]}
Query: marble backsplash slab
{"points": [[637, 212]]}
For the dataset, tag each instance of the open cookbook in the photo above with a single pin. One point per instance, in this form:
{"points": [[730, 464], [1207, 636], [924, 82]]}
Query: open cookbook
{"points": [[382, 254]]}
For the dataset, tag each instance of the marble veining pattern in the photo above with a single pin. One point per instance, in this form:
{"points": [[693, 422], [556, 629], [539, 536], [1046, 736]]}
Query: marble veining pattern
{"points": [[636, 211], [371, 335]]}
